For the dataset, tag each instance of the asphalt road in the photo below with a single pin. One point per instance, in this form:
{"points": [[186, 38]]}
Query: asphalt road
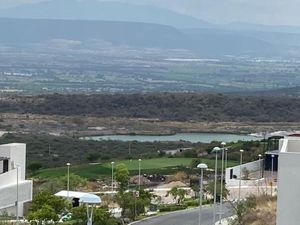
{"points": [[186, 217]]}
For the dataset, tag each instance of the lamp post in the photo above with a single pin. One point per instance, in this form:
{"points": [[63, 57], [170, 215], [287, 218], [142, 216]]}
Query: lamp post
{"points": [[240, 181], [17, 201], [222, 178], [272, 174], [260, 165], [216, 150], [226, 158], [112, 177], [140, 160], [202, 167], [68, 179]]}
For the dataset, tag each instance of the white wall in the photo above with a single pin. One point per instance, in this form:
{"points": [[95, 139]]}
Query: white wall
{"points": [[288, 206], [17, 154], [8, 181], [8, 195], [8, 178], [1, 167], [252, 167]]}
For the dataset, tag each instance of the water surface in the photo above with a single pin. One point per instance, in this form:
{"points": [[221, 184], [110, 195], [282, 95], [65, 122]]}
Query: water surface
{"points": [[191, 137]]}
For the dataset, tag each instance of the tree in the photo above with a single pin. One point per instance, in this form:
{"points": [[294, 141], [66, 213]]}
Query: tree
{"points": [[123, 199], [178, 194], [242, 209], [54, 185], [122, 176], [46, 207], [101, 216], [34, 166], [75, 181], [93, 156], [180, 176], [133, 203], [246, 173], [211, 186], [43, 198], [181, 195], [45, 213]]}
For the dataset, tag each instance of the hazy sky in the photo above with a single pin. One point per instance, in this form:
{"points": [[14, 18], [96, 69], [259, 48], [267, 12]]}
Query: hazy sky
{"points": [[276, 12]]}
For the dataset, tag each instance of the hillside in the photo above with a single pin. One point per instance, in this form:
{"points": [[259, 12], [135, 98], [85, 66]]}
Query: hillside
{"points": [[101, 10], [25, 32], [165, 106], [17, 31]]}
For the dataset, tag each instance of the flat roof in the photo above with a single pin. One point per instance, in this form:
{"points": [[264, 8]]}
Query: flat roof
{"points": [[273, 152], [13, 144], [84, 197]]}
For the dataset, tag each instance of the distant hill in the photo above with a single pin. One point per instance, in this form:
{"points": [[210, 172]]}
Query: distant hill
{"points": [[291, 92], [202, 41], [240, 26], [95, 10], [165, 106], [23, 31]]}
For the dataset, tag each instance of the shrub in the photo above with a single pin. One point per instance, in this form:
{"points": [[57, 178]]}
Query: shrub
{"points": [[170, 208]]}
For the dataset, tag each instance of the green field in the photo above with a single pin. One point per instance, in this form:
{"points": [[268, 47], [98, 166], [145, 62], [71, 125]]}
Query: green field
{"points": [[158, 165]]}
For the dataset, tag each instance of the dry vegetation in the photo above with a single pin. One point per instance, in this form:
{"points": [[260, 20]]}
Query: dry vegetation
{"points": [[263, 214], [92, 125]]}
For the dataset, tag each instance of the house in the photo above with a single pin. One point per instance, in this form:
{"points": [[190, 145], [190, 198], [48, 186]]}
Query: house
{"points": [[176, 151], [288, 207], [15, 190]]}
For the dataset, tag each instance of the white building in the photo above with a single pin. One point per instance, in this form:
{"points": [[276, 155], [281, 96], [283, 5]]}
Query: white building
{"points": [[288, 207], [13, 166]]}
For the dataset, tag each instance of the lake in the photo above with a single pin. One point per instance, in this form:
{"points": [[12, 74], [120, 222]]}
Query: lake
{"points": [[191, 137]]}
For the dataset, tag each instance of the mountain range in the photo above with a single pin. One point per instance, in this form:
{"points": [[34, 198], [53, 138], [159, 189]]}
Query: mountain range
{"points": [[120, 11], [95, 10], [141, 35], [141, 26]]}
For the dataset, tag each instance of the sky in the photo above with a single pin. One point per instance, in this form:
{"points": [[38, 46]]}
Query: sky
{"points": [[271, 12]]}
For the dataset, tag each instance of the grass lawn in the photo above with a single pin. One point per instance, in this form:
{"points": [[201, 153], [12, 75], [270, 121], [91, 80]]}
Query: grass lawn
{"points": [[157, 165]]}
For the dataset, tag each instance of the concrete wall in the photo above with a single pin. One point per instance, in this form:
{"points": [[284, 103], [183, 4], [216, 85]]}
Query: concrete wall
{"points": [[251, 167], [1, 167], [8, 195], [289, 182], [8, 180], [17, 154]]}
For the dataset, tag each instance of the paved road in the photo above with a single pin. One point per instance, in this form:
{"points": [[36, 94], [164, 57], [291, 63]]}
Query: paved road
{"points": [[187, 217]]}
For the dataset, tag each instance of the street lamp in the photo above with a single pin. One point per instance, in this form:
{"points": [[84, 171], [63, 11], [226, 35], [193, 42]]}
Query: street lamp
{"points": [[17, 201], [226, 158], [68, 179], [202, 167], [112, 177], [222, 178], [240, 181], [140, 173], [272, 175], [215, 150], [260, 165]]}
